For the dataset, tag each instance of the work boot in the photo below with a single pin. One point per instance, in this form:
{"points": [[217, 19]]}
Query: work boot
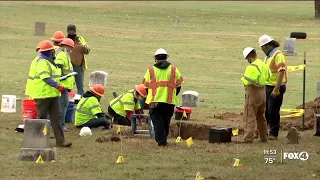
{"points": [[65, 144], [272, 138], [65, 129]]}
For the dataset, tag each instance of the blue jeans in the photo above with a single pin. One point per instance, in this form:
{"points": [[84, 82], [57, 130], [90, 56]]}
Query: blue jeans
{"points": [[96, 122], [64, 102], [79, 78]]}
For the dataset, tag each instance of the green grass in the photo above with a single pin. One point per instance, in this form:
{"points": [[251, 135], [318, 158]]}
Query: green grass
{"points": [[206, 46]]}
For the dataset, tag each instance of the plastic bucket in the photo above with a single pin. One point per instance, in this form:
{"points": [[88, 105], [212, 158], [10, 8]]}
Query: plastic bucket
{"points": [[8, 104], [29, 109], [69, 114]]}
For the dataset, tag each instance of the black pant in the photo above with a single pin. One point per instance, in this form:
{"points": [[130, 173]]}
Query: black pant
{"points": [[96, 122], [118, 119], [51, 105], [161, 117], [273, 105]]}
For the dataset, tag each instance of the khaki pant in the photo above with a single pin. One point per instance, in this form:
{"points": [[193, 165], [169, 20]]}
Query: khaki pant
{"points": [[253, 116]]}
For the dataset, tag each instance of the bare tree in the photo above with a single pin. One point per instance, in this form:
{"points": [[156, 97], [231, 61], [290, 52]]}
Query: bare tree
{"points": [[316, 8]]}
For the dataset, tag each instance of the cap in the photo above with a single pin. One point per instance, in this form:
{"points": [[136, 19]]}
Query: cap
{"points": [[71, 29]]}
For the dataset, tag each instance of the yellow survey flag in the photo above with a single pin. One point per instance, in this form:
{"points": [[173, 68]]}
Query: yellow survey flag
{"points": [[295, 68], [189, 141], [120, 160], [237, 163], [39, 160], [118, 130], [179, 139], [44, 130], [235, 132], [185, 114], [199, 177]]}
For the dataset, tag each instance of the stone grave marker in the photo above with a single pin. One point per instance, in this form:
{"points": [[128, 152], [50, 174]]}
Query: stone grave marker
{"points": [[293, 136], [190, 99], [36, 141], [40, 29], [98, 77], [290, 47], [318, 89]]}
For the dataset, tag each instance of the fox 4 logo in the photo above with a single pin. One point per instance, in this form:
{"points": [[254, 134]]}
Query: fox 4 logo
{"points": [[303, 156]]}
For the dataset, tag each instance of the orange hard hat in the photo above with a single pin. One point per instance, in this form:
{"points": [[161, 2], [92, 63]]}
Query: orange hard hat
{"points": [[45, 45], [58, 36], [98, 89], [68, 42], [141, 90]]}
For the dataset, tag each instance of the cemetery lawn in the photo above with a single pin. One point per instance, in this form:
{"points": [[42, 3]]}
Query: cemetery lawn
{"points": [[206, 46]]}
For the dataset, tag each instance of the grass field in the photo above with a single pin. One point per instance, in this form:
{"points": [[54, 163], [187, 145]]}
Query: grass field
{"points": [[206, 46]]}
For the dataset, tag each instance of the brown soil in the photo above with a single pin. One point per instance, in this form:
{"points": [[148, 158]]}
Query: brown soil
{"points": [[286, 123]]}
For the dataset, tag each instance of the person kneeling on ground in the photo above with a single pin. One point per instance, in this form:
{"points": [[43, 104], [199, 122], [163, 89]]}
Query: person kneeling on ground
{"points": [[88, 111], [123, 106]]}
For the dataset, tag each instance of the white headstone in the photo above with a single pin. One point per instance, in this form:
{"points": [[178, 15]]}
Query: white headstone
{"points": [[40, 28], [98, 77], [190, 99], [290, 47]]}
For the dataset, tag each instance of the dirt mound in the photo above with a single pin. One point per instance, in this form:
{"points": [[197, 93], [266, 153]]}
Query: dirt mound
{"points": [[286, 123]]}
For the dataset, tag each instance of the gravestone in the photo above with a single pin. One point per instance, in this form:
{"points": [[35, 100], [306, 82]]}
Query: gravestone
{"points": [[290, 47], [176, 21], [36, 141], [40, 29], [190, 99], [318, 89], [98, 77]]}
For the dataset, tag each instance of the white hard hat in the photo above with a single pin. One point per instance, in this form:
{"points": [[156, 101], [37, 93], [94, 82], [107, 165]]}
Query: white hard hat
{"points": [[85, 131], [264, 39], [160, 51], [247, 51]]}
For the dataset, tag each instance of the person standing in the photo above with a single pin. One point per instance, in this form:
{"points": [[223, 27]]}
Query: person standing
{"points": [[78, 60], [64, 63], [89, 112], [255, 79], [46, 89], [123, 106], [276, 85], [163, 82]]}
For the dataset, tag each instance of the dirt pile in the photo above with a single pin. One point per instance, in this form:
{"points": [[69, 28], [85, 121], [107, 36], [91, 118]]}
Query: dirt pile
{"points": [[286, 123], [197, 131]]}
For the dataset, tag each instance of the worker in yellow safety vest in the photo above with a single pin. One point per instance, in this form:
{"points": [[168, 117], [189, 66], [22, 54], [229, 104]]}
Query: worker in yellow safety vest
{"points": [[46, 90], [276, 85], [163, 82], [89, 112], [77, 56], [64, 63], [31, 75], [255, 79], [122, 107], [57, 38]]}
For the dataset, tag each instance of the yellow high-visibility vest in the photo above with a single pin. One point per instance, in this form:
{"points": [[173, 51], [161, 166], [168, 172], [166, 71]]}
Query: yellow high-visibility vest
{"points": [[276, 63], [124, 102], [83, 42], [63, 58], [257, 73], [45, 69], [86, 110], [162, 84], [32, 73]]}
